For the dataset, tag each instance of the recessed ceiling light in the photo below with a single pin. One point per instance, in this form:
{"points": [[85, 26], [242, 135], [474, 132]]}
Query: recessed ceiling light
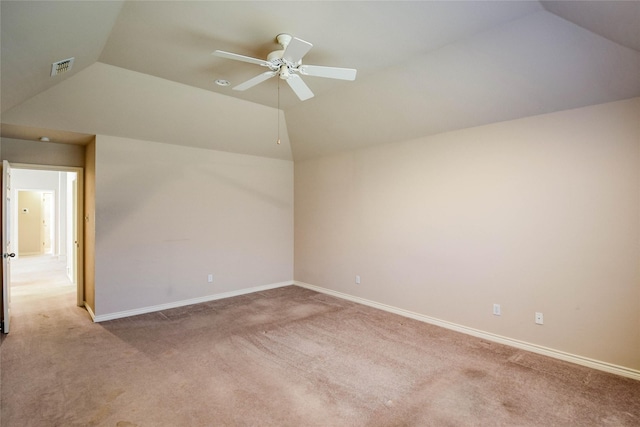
{"points": [[44, 139], [222, 82]]}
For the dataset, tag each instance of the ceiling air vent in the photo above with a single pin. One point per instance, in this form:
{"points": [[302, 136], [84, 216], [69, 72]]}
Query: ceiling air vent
{"points": [[61, 66]]}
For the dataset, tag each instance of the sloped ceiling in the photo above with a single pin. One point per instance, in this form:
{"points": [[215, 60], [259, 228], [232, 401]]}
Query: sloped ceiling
{"points": [[36, 34], [145, 70]]}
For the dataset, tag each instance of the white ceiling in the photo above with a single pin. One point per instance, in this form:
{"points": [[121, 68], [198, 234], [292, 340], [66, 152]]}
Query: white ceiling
{"points": [[145, 70]]}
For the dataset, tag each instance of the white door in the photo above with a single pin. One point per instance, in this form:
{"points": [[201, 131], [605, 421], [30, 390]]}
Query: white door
{"points": [[6, 244]]}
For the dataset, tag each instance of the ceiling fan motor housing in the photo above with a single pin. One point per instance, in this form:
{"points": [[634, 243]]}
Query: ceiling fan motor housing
{"points": [[283, 67], [275, 55]]}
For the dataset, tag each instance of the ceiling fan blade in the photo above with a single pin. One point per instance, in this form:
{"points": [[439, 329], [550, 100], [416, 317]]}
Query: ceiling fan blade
{"points": [[299, 87], [329, 72], [296, 49], [236, 57], [254, 81]]}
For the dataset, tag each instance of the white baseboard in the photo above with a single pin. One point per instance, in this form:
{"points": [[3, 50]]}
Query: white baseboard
{"points": [[534, 348], [182, 303]]}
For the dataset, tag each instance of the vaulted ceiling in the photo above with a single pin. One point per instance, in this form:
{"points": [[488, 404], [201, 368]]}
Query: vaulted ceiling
{"points": [[144, 69]]}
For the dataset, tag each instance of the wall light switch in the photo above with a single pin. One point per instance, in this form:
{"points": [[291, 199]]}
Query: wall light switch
{"points": [[357, 280], [539, 318]]}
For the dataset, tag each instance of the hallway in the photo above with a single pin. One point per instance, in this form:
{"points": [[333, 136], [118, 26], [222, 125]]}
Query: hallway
{"points": [[38, 281], [43, 271]]}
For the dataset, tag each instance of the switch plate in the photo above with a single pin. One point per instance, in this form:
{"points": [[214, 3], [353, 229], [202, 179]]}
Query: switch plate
{"points": [[496, 310], [210, 278], [357, 280], [539, 318]]}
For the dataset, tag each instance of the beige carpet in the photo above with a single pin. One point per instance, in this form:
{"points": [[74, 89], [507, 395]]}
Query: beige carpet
{"points": [[285, 357]]}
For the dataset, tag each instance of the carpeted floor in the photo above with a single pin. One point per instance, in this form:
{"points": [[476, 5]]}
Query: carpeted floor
{"points": [[36, 271], [285, 357]]}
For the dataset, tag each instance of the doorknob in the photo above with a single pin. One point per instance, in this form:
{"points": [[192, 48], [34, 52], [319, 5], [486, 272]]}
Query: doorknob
{"points": [[11, 255]]}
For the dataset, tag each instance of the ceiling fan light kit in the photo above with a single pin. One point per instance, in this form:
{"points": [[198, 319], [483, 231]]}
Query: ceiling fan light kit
{"points": [[287, 64]]}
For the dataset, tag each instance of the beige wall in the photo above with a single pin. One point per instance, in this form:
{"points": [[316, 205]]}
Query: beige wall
{"points": [[538, 214], [42, 153], [89, 225], [30, 216], [167, 216]]}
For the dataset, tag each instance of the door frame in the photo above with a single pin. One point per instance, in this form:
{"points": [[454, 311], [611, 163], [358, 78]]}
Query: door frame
{"points": [[79, 215]]}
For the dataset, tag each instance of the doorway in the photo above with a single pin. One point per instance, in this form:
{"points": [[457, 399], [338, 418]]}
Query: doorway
{"points": [[36, 222], [47, 231]]}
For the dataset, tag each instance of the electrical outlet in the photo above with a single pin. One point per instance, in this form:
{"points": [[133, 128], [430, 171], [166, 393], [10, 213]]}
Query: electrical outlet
{"points": [[357, 280], [539, 318], [210, 278], [496, 310]]}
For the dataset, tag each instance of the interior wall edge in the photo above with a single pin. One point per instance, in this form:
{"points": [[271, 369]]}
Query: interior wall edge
{"points": [[522, 345]]}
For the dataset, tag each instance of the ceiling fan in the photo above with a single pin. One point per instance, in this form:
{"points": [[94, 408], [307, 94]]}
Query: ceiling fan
{"points": [[287, 64]]}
